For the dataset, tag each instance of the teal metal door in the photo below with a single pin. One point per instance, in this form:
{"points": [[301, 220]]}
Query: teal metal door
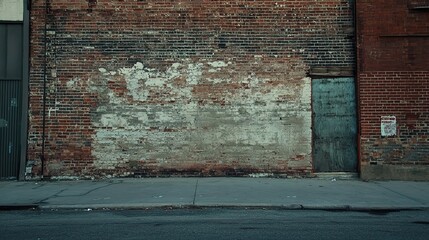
{"points": [[11, 62], [334, 125]]}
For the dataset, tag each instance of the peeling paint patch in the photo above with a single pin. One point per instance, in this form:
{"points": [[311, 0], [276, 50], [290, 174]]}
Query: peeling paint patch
{"points": [[113, 121], [218, 64], [261, 175], [186, 115]]}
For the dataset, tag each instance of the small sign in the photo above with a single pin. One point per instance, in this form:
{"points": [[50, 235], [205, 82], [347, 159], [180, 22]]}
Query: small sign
{"points": [[388, 126]]}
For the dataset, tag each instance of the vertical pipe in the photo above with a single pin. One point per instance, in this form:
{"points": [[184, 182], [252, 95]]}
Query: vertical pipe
{"points": [[25, 89], [45, 62], [357, 70]]}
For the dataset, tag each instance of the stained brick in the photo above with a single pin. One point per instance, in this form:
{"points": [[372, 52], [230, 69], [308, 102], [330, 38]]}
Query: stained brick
{"points": [[181, 87], [393, 78]]}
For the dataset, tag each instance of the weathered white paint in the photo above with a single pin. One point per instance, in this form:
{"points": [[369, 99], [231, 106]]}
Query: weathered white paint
{"points": [[71, 83], [113, 121], [218, 64], [139, 66], [261, 175], [217, 80], [262, 125], [194, 73], [11, 10]]}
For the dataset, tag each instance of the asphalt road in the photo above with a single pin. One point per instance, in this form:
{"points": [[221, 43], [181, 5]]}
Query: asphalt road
{"points": [[212, 224]]}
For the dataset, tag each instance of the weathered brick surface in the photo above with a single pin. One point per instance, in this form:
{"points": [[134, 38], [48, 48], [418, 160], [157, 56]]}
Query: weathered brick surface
{"points": [[401, 94], [393, 42], [192, 87]]}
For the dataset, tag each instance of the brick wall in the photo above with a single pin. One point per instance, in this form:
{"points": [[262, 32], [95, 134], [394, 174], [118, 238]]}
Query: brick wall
{"points": [[393, 42], [142, 87]]}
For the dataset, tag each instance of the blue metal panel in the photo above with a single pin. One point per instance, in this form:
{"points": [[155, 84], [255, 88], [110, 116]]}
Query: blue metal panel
{"points": [[3, 50], [334, 125], [10, 102], [10, 98]]}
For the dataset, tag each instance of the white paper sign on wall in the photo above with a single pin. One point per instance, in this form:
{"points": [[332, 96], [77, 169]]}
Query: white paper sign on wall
{"points": [[388, 126]]}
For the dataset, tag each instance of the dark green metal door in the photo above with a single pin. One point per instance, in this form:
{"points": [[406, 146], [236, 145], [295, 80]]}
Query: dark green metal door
{"points": [[334, 125], [10, 98]]}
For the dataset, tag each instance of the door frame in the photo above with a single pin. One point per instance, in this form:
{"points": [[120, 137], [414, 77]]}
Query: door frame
{"points": [[25, 89]]}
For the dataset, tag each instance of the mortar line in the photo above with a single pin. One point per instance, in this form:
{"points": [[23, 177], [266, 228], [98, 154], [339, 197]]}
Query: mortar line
{"points": [[195, 193]]}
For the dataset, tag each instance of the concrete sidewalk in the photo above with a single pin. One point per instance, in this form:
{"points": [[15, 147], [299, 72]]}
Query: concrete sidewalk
{"points": [[216, 192]]}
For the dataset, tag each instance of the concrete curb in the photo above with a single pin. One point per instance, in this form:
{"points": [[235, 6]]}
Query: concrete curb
{"points": [[19, 207], [91, 207]]}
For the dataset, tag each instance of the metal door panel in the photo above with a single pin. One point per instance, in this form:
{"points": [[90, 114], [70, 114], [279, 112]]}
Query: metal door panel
{"points": [[9, 128], [14, 51], [334, 125], [3, 49], [10, 98]]}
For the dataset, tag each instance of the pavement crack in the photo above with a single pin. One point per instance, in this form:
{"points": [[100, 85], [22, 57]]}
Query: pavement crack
{"points": [[88, 192], [195, 193], [58, 194], [52, 196], [401, 194]]}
